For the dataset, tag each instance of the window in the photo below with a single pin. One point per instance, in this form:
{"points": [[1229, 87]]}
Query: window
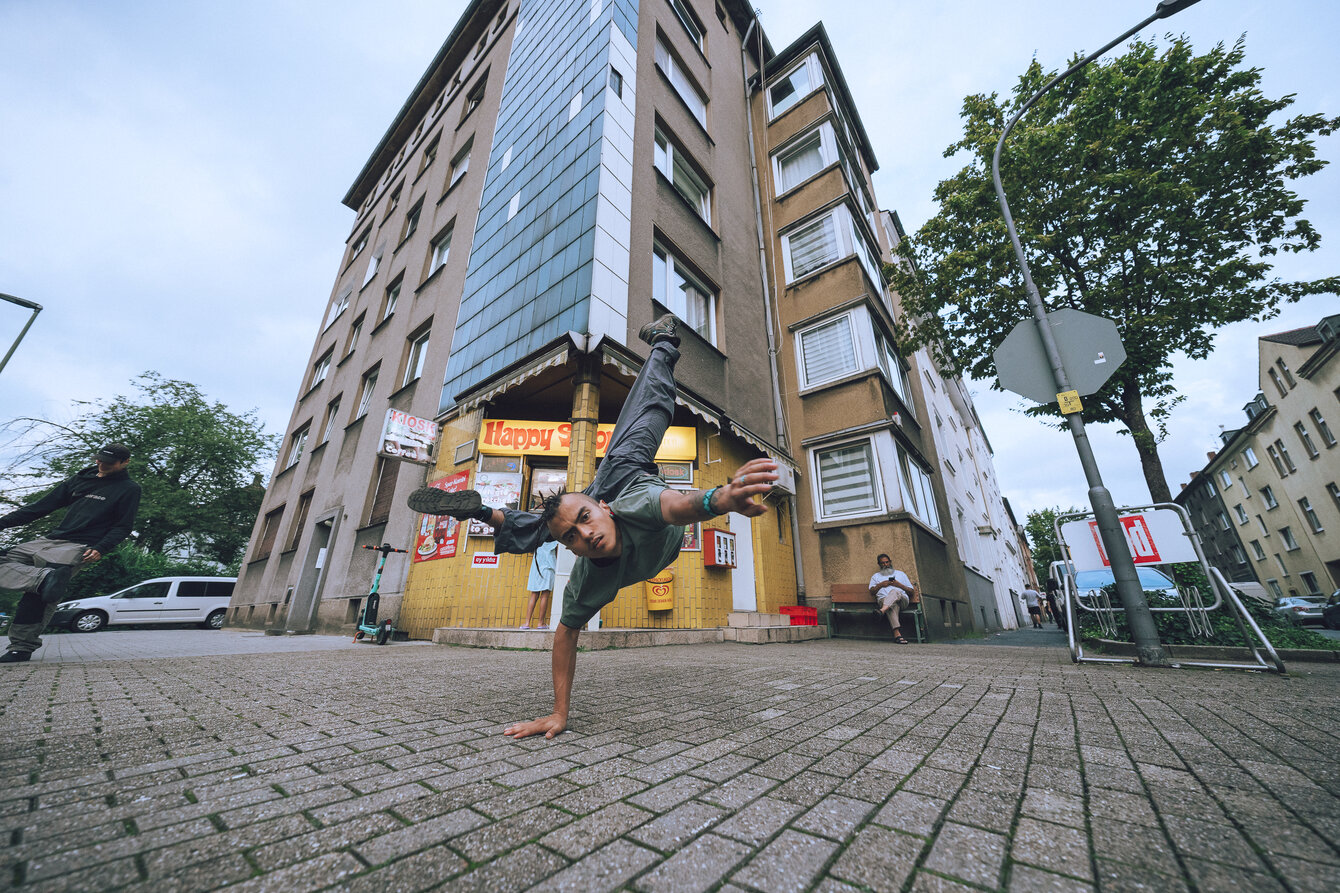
{"points": [[689, 21], [616, 82], [1249, 456], [441, 249], [1284, 570], [1310, 581], [795, 85], [269, 533], [575, 105], [804, 157], [1241, 513], [475, 97], [1284, 371], [411, 221], [394, 201], [671, 162], [1239, 556], [680, 292], [513, 206], [1286, 534], [1279, 385], [1275, 460], [418, 353], [1210, 491], [429, 154], [461, 163], [824, 240], [392, 297], [847, 480], [1258, 551], [299, 521], [1226, 480], [827, 351], [683, 85], [1284, 456], [1310, 514], [1308, 446], [296, 442], [920, 497], [1269, 496], [359, 245], [383, 496], [374, 264], [319, 370], [338, 305], [1334, 490], [1275, 588], [896, 373], [355, 332], [1222, 520], [1265, 531], [365, 391], [332, 413], [1322, 428]]}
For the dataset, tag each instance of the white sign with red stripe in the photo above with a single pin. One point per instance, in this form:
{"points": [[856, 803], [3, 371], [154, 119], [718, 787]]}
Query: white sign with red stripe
{"points": [[1156, 537], [484, 560]]}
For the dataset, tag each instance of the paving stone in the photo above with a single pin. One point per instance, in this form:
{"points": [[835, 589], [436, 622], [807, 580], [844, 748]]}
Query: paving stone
{"points": [[208, 875], [791, 862], [759, 821], [323, 871], [394, 844], [991, 810], [667, 795], [312, 843], [698, 866], [910, 812], [595, 830], [490, 840], [743, 788], [1056, 848], [1213, 841], [1027, 879], [1308, 877], [931, 883], [1054, 806], [807, 788], [968, 853], [836, 817], [878, 859], [606, 869], [1213, 877], [421, 871]]}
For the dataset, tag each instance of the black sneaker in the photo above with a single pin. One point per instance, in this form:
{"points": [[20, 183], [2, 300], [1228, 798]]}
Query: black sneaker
{"points": [[662, 329], [461, 505], [15, 657]]}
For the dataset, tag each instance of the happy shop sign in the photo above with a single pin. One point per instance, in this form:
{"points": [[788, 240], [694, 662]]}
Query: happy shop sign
{"points": [[508, 437]]}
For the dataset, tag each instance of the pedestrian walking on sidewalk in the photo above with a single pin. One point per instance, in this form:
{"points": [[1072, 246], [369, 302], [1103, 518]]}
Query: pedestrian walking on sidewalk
{"points": [[1033, 599], [624, 528], [541, 584], [102, 501]]}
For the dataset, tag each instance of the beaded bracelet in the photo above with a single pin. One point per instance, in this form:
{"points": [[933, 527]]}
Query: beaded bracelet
{"points": [[707, 503]]}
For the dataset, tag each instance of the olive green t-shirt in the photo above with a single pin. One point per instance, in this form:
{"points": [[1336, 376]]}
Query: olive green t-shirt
{"points": [[649, 546]]}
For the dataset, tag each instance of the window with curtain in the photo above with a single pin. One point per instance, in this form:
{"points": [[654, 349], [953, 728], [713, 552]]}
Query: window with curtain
{"points": [[812, 246], [827, 351], [847, 480], [671, 161], [685, 87], [795, 85], [800, 161], [680, 292]]}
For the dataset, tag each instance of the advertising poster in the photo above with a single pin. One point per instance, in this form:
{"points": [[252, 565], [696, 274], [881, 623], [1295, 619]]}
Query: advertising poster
{"points": [[499, 489], [408, 437], [693, 537], [439, 536]]}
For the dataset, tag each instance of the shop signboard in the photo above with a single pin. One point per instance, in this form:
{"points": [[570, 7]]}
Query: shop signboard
{"points": [[509, 437], [408, 437], [440, 535], [500, 489]]}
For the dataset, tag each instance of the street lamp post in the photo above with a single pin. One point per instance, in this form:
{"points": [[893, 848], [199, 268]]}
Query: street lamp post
{"points": [[1148, 648], [35, 308]]}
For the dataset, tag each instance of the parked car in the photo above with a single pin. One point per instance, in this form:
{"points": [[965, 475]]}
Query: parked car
{"points": [[1330, 615], [202, 600], [1301, 609], [1150, 579]]}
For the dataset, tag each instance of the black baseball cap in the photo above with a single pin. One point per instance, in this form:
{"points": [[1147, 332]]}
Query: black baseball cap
{"points": [[114, 452]]}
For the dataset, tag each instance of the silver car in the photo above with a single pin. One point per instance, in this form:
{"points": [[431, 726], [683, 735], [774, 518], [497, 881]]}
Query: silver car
{"points": [[1302, 609]]}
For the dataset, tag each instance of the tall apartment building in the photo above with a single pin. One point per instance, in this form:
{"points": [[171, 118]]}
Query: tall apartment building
{"points": [[1276, 481], [562, 174]]}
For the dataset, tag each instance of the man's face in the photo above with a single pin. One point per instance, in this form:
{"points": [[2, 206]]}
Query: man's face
{"points": [[105, 468], [586, 527], [885, 563]]}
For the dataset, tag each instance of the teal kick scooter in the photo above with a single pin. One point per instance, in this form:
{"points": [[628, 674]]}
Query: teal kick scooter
{"points": [[367, 624]]}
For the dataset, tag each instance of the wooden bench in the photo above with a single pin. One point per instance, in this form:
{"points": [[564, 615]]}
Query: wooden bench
{"points": [[855, 598]]}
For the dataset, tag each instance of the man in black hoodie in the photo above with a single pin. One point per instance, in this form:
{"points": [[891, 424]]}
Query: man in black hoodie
{"points": [[103, 501]]}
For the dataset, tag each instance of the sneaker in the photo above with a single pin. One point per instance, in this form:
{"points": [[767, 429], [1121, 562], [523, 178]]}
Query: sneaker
{"points": [[15, 657], [461, 505], [662, 329]]}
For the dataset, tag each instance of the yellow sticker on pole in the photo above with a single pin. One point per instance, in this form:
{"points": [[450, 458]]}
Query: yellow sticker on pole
{"points": [[1069, 402]]}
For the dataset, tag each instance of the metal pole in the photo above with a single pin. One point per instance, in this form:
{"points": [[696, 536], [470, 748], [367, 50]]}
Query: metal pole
{"points": [[1148, 648], [35, 308]]}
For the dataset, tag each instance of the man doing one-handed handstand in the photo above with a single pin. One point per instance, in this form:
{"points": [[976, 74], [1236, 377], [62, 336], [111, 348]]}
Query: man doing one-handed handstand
{"points": [[626, 527]]}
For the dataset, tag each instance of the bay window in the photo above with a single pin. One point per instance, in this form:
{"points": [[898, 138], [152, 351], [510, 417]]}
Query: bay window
{"points": [[847, 480], [825, 239], [788, 90], [827, 351]]}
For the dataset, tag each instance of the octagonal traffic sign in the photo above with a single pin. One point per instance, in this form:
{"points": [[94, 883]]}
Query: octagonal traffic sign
{"points": [[1090, 348]]}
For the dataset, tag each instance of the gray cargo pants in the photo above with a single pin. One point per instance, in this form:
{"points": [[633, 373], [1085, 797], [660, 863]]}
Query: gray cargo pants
{"points": [[23, 567]]}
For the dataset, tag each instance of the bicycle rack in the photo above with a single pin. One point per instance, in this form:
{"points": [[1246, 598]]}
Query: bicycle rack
{"points": [[1190, 600]]}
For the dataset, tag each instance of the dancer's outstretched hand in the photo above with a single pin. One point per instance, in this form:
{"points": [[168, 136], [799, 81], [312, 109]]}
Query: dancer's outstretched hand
{"points": [[754, 478]]}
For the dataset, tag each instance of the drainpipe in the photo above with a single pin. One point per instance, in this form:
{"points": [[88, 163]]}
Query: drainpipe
{"points": [[779, 420]]}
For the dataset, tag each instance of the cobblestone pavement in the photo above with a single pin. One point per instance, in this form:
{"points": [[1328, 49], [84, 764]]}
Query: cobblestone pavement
{"points": [[828, 766], [120, 643]]}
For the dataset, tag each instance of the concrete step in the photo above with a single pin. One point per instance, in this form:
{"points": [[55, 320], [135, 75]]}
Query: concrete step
{"points": [[742, 619], [594, 639], [772, 635]]}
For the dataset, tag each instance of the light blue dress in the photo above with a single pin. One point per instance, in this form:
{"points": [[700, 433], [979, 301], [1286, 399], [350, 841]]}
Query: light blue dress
{"points": [[542, 568]]}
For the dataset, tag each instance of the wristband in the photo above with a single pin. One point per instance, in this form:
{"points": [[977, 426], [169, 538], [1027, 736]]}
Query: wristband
{"points": [[707, 504]]}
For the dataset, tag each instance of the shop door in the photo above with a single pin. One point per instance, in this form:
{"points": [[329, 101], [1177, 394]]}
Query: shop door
{"points": [[744, 596]]}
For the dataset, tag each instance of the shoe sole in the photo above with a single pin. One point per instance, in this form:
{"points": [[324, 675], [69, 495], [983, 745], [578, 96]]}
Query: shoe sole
{"points": [[665, 325], [432, 501]]}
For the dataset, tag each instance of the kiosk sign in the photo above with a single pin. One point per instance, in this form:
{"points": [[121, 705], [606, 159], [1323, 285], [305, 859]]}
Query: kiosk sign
{"points": [[408, 437]]}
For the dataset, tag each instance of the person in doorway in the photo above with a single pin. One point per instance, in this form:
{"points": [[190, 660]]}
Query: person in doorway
{"points": [[541, 585], [1033, 599], [893, 590], [624, 528], [102, 501]]}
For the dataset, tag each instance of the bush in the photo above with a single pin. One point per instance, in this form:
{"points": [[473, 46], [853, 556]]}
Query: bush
{"points": [[1174, 628]]}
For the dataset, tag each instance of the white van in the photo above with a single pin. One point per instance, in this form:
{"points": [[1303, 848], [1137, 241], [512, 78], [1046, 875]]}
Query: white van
{"points": [[202, 600]]}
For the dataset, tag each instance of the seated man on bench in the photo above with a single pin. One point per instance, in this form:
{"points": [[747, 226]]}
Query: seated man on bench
{"points": [[893, 590]]}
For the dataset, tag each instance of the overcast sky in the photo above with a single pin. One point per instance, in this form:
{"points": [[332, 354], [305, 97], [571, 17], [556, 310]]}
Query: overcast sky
{"points": [[171, 175]]}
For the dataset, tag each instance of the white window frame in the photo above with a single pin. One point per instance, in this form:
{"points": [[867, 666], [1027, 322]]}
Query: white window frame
{"points": [[855, 362], [392, 298], [1249, 456], [365, 394], [829, 155], [416, 357], [296, 444], [813, 70], [1289, 540], [919, 493], [320, 369], [675, 165], [460, 163], [876, 476], [1327, 437], [1268, 495], [339, 305], [411, 224], [689, 21], [332, 413], [1225, 481], [891, 364], [848, 242], [673, 299], [1310, 515], [441, 249], [683, 84], [1306, 439], [374, 264], [1241, 512]]}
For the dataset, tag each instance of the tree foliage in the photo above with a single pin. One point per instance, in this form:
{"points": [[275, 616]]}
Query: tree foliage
{"points": [[199, 465], [1152, 189], [1042, 539]]}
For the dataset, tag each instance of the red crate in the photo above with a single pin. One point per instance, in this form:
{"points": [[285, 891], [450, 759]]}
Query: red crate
{"points": [[801, 615]]}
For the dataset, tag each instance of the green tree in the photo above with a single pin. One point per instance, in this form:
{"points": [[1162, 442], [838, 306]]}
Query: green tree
{"points": [[1042, 539], [199, 465], [1152, 189]]}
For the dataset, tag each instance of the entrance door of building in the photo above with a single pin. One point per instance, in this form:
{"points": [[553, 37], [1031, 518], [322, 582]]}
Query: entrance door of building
{"points": [[744, 594], [307, 595]]}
